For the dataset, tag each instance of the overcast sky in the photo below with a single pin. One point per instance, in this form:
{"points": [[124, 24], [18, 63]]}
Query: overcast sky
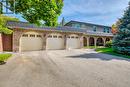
{"points": [[105, 12]]}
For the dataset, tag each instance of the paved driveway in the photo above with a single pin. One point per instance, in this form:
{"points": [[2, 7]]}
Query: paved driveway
{"points": [[65, 68]]}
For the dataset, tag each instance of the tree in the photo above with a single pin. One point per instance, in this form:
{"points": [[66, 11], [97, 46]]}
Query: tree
{"points": [[1, 9], [114, 29], [3, 21], [123, 29], [38, 11]]}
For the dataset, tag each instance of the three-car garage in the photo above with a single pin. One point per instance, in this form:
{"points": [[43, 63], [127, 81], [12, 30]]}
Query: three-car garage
{"points": [[33, 41]]}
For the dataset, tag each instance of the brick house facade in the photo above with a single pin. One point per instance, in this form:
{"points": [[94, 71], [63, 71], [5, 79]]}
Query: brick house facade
{"points": [[69, 35]]}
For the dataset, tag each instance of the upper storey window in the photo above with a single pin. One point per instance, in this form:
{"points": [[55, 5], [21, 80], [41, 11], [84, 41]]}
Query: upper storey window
{"points": [[94, 28], [106, 30], [76, 25]]}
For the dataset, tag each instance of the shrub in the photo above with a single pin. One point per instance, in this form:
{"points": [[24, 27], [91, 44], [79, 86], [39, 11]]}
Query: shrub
{"points": [[108, 44]]}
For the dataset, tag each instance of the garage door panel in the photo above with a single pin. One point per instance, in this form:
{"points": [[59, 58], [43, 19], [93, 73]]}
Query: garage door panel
{"points": [[55, 43], [31, 43], [73, 42]]}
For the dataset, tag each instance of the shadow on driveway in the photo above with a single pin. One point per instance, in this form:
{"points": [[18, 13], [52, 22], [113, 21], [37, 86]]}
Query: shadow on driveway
{"points": [[101, 56]]}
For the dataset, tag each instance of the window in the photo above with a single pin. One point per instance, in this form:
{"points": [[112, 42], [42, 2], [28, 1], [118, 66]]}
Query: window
{"points": [[25, 35], [32, 35], [76, 37], [108, 30], [49, 36], [72, 36], [94, 28], [60, 36], [54, 36], [76, 25], [104, 30], [39, 36]]}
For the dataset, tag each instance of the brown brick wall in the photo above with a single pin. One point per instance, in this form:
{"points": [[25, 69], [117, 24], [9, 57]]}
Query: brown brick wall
{"points": [[7, 42], [16, 36]]}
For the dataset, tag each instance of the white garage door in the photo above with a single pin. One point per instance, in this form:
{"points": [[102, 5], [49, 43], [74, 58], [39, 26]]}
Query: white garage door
{"points": [[31, 42], [55, 42], [73, 42]]}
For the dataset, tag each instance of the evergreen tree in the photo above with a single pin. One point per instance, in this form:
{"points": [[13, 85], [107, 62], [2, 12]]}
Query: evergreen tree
{"points": [[123, 29]]}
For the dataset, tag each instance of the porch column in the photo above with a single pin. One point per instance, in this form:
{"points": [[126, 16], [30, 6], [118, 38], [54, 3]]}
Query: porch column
{"points": [[95, 42], [104, 41], [65, 41], [44, 41], [87, 41], [81, 41]]}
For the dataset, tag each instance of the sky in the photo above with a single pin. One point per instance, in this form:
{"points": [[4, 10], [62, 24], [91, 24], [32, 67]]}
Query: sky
{"points": [[104, 12]]}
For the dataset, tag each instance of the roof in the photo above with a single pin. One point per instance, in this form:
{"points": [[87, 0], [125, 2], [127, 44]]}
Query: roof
{"points": [[91, 24], [26, 25]]}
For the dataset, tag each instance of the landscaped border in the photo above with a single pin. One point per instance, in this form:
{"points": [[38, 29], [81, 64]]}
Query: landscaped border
{"points": [[4, 57], [111, 52]]}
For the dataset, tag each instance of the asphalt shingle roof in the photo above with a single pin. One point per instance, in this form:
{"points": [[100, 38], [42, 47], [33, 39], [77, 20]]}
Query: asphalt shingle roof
{"points": [[26, 25], [90, 24]]}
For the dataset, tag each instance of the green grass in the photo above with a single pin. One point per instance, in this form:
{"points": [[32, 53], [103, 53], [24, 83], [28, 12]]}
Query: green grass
{"points": [[4, 57], [110, 51], [93, 47]]}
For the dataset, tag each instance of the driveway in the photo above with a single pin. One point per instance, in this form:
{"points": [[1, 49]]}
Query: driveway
{"points": [[65, 68]]}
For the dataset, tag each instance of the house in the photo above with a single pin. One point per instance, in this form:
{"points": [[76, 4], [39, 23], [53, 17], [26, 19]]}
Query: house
{"points": [[74, 35], [95, 34]]}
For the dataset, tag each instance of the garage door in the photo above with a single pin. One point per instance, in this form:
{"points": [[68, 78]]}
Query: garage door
{"points": [[55, 42], [73, 42], [31, 42]]}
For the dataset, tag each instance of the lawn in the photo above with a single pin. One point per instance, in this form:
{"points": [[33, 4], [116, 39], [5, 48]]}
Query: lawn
{"points": [[4, 57], [110, 51], [93, 47]]}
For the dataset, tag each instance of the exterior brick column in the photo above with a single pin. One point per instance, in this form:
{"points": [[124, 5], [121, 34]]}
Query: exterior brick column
{"points": [[65, 40], [16, 37], [104, 41], [95, 42], [87, 41], [81, 41], [44, 40]]}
